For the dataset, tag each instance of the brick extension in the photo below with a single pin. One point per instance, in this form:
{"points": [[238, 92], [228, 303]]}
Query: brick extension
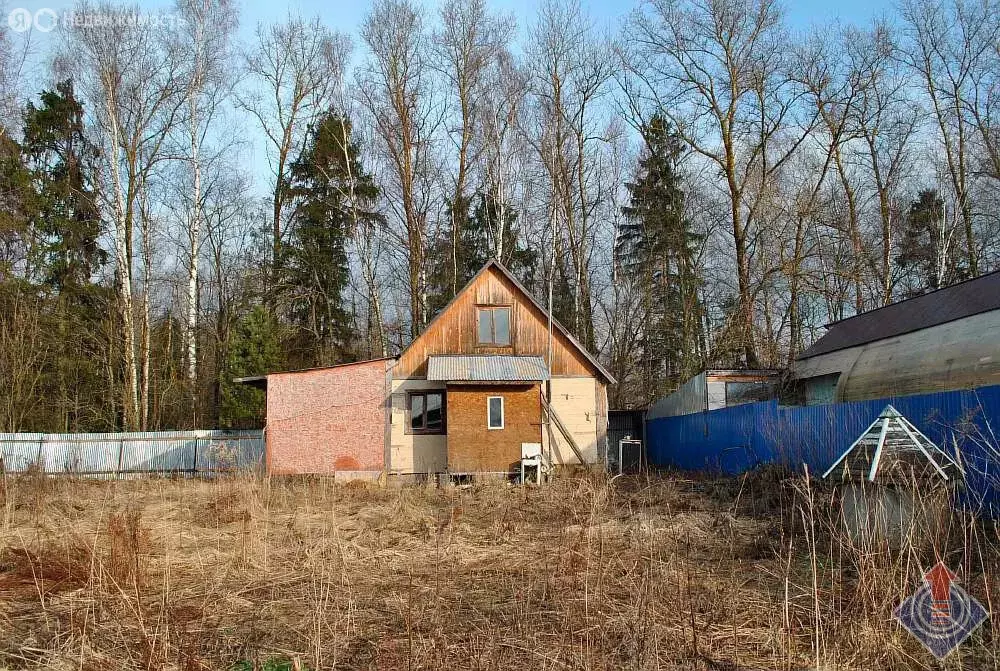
{"points": [[328, 420]]}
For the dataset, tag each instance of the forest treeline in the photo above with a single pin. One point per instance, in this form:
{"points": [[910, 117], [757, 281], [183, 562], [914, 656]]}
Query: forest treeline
{"points": [[699, 185]]}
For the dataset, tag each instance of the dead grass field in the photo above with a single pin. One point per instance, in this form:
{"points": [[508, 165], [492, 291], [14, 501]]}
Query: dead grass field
{"points": [[652, 573]]}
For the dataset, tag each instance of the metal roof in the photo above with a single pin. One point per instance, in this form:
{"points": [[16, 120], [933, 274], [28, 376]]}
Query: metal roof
{"points": [[486, 368], [964, 299]]}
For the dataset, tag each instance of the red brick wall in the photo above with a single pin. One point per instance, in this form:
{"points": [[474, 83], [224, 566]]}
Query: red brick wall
{"points": [[328, 420]]}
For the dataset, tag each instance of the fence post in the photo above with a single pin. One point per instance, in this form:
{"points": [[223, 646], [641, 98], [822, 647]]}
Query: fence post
{"points": [[38, 458], [194, 464], [121, 452]]}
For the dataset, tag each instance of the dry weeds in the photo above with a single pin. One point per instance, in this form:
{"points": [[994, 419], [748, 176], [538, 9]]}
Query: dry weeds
{"points": [[658, 573]]}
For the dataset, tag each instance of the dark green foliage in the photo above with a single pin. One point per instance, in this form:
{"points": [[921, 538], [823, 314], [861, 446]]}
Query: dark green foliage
{"points": [[254, 349], [478, 242], [657, 248], [925, 236], [67, 220], [331, 193]]}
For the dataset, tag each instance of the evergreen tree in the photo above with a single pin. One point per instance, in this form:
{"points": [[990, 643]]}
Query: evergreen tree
{"points": [[254, 348], [924, 251], [330, 190], [481, 236], [65, 225], [61, 160], [657, 248]]}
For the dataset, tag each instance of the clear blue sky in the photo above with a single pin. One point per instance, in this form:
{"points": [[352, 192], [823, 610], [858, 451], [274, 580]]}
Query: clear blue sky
{"points": [[346, 15]]}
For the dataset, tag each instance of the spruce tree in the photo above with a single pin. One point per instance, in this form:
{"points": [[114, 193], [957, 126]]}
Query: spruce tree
{"points": [[657, 247], [329, 188]]}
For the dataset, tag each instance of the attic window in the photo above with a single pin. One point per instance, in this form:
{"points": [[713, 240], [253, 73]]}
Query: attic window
{"points": [[494, 326]]}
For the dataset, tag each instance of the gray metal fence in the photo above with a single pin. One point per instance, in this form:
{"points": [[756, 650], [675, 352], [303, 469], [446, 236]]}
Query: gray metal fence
{"points": [[120, 454]]}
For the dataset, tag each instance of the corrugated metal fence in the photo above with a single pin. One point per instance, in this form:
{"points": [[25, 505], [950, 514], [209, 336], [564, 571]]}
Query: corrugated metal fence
{"points": [[119, 454], [733, 440]]}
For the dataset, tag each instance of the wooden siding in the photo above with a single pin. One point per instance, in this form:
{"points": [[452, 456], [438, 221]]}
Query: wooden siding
{"points": [[474, 448], [455, 331]]}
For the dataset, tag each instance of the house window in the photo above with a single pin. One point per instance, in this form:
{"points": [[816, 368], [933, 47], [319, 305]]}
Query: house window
{"points": [[425, 412], [494, 412], [494, 326]]}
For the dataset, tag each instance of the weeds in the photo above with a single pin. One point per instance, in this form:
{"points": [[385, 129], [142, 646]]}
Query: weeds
{"points": [[758, 572]]}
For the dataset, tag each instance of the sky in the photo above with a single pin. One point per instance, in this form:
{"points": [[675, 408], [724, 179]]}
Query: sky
{"points": [[347, 15]]}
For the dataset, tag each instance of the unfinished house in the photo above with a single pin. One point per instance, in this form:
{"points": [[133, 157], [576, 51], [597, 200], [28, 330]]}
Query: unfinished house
{"points": [[472, 393], [481, 388]]}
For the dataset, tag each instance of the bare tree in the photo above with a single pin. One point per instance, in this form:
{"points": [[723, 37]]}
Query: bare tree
{"points": [[952, 47], [204, 42], [468, 42], [570, 67], [134, 84], [720, 71], [294, 69], [395, 88]]}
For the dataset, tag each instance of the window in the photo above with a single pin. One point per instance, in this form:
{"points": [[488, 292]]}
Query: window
{"points": [[426, 412], [494, 412], [494, 326]]}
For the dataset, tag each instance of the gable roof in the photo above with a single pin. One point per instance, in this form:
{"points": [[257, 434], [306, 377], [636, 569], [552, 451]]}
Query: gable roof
{"points": [[556, 326], [941, 306]]}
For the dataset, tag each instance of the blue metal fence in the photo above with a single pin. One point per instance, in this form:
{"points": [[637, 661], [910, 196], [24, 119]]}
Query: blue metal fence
{"points": [[118, 454], [733, 440]]}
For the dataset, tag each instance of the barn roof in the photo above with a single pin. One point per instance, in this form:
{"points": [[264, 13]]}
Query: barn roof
{"points": [[957, 301], [486, 368]]}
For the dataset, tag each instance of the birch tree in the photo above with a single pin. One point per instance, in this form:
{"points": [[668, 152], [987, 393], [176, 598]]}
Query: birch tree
{"points": [[204, 40], [134, 85]]}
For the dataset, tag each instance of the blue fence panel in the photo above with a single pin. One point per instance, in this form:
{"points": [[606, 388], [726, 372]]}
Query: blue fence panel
{"points": [[733, 440]]}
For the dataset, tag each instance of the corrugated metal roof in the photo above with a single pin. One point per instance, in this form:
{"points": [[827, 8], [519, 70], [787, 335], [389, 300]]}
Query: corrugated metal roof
{"points": [[486, 368], [960, 300]]}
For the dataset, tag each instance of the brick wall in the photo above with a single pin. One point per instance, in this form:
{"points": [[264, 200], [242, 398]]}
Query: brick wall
{"points": [[327, 421]]}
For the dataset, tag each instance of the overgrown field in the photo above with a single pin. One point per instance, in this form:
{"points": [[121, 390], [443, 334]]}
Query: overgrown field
{"points": [[586, 573]]}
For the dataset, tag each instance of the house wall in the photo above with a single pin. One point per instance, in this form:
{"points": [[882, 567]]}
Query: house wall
{"points": [[958, 355], [454, 331], [328, 421], [472, 446], [414, 453], [575, 400]]}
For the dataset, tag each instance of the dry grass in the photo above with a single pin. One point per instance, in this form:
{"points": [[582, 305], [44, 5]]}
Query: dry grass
{"points": [[666, 573]]}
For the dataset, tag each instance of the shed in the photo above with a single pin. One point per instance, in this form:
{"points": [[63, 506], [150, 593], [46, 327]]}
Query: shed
{"points": [[716, 388]]}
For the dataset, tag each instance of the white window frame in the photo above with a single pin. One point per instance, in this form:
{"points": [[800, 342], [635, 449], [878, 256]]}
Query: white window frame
{"points": [[503, 414]]}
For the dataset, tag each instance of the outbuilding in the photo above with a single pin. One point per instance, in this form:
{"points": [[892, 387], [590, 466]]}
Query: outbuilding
{"points": [[940, 341]]}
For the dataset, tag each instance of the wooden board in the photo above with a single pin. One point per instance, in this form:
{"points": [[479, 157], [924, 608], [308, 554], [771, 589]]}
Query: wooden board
{"points": [[455, 331], [474, 448]]}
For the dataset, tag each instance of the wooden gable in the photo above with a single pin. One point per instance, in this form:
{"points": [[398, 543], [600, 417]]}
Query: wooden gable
{"points": [[455, 330]]}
